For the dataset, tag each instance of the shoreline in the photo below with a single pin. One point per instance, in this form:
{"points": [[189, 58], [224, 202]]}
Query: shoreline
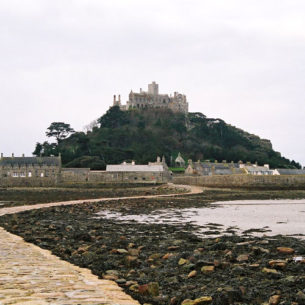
{"points": [[167, 263]]}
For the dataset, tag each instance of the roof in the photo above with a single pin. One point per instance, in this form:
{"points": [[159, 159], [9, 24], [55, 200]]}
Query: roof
{"points": [[287, 171], [257, 169], [22, 161], [134, 168], [179, 159]]}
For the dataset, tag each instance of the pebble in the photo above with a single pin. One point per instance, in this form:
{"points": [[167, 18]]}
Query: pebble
{"points": [[285, 250], [192, 274], [207, 269], [275, 299]]}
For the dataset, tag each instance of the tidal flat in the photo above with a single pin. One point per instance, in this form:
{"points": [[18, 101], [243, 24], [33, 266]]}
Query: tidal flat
{"points": [[169, 263]]}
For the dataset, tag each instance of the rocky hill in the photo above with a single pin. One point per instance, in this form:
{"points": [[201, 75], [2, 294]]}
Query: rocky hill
{"points": [[142, 135]]}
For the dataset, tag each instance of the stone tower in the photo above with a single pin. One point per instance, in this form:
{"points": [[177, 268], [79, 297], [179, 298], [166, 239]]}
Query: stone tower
{"points": [[117, 102], [153, 89]]}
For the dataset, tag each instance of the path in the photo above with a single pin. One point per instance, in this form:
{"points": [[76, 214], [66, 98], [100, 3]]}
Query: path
{"points": [[12, 210], [30, 275]]}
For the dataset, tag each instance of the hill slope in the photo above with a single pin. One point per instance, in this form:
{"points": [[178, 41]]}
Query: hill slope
{"points": [[142, 135]]}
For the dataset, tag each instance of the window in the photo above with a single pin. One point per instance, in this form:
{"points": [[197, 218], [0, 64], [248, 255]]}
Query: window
{"points": [[22, 174], [30, 174], [42, 175], [15, 174]]}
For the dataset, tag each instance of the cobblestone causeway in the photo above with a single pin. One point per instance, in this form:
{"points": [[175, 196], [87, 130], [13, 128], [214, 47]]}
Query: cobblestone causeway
{"points": [[30, 275]]}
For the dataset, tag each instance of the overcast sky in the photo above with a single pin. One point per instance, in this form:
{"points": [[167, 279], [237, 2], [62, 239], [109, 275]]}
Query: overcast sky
{"points": [[239, 60]]}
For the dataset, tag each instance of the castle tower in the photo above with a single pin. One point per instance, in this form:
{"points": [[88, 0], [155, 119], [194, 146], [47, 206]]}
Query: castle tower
{"points": [[116, 102], [153, 88]]}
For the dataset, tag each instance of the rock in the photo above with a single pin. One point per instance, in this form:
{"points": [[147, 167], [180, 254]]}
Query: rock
{"points": [[260, 250], [275, 299], [285, 250], [154, 256], [112, 272], [110, 277], [187, 302], [131, 260], [182, 261], [188, 266], [130, 283], [121, 251], [153, 288], [143, 289], [242, 258], [267, 270], [173, 248], [133, 252], [173, 280], [300, 297], [238, 270], [167, 255], [207, 269], [278, 263], [192, 274], [217, 263], [254, 266], [134, 287], [203, 300], [173, 301], [121, 281]]}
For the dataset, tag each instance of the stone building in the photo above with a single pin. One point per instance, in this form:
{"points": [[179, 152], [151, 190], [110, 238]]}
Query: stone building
{"points": [[213, 168], [156, 172], [287, 171], [29, 170], [153, 99], [179, 161]]}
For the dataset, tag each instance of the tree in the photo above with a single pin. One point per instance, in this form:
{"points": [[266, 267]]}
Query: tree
{"points": [[114, 118], [59, 130], [45, 149]]}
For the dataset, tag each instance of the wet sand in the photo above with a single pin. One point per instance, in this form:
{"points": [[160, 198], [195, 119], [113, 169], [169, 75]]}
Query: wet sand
{"points": [[270, 217]]}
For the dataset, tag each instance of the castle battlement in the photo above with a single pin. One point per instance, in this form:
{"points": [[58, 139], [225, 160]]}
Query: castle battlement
{"points": [[153, 99]]}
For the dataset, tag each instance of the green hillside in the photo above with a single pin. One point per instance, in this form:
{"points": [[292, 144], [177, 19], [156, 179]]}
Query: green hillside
{"points": [[142, 135]]}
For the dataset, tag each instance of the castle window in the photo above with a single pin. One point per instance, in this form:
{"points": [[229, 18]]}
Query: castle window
{"points": [[15, 174], [30, 174], [22, 174], [42, 175]]}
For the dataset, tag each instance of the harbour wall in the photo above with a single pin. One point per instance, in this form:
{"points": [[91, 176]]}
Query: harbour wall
{"points": [[244, 181]]}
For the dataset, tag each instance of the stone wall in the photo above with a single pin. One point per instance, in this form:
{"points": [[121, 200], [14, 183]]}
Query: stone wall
{"points": [[75, 174], [85, 175], [245, 181], [29, 182]]}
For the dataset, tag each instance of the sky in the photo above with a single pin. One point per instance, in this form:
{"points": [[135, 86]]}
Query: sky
{"points": [[239, 60]]}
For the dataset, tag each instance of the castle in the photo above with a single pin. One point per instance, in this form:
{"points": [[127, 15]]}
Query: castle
{"points": [[152, 99]]}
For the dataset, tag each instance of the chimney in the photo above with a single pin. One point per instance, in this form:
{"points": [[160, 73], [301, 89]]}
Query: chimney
{"points": [[22, 155], [266, 165], [119, 99], [132, 162], [13, 155], [158, 159], [1, 155]]}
